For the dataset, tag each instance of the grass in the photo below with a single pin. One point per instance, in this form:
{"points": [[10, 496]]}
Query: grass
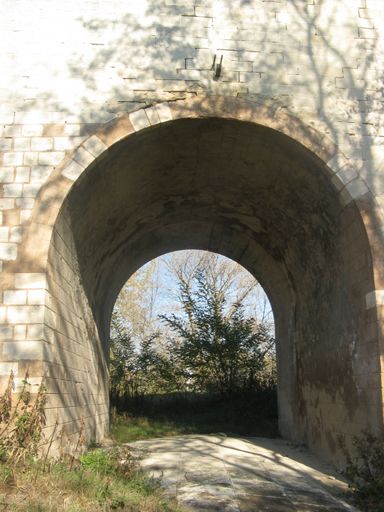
{"points": [[75, 482], [95, 481], [96, 486], [126, 428], [172, 415]]}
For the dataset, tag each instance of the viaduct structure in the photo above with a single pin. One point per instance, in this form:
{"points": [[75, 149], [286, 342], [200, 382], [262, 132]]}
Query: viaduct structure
{"points": [[251, 128]]}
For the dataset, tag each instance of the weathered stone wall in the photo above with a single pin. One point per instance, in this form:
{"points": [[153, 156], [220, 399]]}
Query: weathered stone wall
{"points": [[119, 143]]}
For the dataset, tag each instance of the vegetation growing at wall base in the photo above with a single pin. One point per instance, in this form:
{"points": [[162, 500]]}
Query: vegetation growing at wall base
{"points": [[365, 471], [75, 480]]}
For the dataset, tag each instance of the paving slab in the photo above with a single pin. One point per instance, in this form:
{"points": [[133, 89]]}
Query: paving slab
{"points": [[230, 474]]}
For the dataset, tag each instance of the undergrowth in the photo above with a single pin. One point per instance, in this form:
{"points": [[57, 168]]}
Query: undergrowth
{"points": [[75, 480], [365, 471], [251, 414], [21, 424]]}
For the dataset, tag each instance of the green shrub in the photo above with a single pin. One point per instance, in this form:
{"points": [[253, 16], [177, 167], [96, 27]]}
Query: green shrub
{"points": [[119, 462], [365, 471]]}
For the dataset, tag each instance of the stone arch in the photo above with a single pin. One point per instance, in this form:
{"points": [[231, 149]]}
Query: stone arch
{"points": [[280, 199]]}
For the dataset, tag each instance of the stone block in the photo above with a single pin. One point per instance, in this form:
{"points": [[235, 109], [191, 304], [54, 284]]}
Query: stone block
{"points": [[367, 33], [4, 234], [19, 350], [371, 13], [373, 153], [32, 130], [337, 162], [170, 85], [41, 143], [33, 381], [42, 232], [346, 174], [141, 85], [22, 174], [35, 332], [31, 158], [30, 281], [164, 112], [13, 131], [19, 332], [16, 234], [190, 74], [7, 368], [25, 314], [139, 120], [6, 332], [228, 66], [306, 102], [40, 117], [13, 158], [7, 204], [7, 174], [63, 143], [51, 158], [95, 146], [152, 115], [22, 144], [357, 188], [8, 251], [15, 297], [26, 202], [24, 215], [40, 173], [250, 78], [83, 157], [72, 130], [36, 297], [6, 117], [72, 170], [345, 196], [5, 144], [13, 190]]}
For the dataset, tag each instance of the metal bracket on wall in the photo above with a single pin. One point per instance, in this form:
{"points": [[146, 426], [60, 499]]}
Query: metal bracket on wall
{"points": [[217, 67]]}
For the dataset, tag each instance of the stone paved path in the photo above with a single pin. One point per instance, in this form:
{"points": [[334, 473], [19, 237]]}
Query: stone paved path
{"points": [[226, 474]]}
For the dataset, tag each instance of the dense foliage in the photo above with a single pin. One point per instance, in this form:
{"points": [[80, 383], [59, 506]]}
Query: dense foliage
{"points": [[216, 352]]}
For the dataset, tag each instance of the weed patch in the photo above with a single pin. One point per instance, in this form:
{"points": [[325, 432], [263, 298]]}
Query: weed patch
{"points": [[100, 483], [365, 471], [76, 481]]}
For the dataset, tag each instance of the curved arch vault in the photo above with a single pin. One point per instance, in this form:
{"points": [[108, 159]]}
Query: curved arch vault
{"points": [[254, 186]]}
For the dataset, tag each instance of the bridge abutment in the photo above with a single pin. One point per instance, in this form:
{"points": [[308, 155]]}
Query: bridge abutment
{"points": [[133, 147]]}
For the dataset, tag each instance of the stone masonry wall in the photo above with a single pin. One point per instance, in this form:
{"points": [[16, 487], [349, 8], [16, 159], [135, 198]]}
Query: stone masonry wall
{"points": [[70, 67]]}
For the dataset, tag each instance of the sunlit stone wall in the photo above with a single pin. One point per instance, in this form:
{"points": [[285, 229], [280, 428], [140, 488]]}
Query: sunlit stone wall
{"points": [[70, 67]]}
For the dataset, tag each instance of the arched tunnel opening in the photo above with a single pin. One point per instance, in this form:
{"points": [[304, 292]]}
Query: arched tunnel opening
{"points": [[192, 351], [246, 192]]}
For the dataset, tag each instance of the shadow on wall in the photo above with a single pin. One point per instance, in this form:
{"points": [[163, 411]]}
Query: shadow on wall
{"points": [[294, 57], [302, 58], [291, 55]]}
